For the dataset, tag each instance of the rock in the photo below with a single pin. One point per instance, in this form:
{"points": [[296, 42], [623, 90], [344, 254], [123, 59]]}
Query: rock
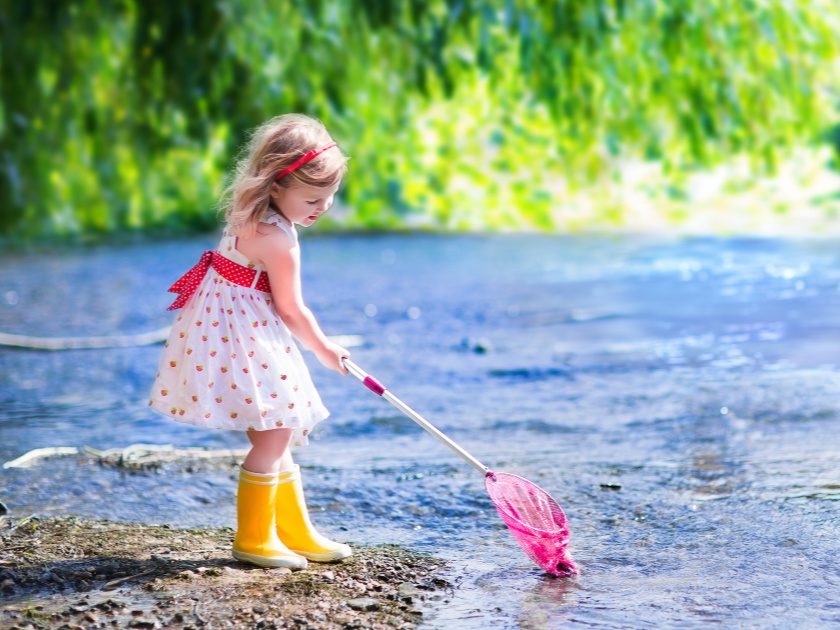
{"points": [[482, 346], [407, 591], [109, 604], [3, 509], [363, 603]]}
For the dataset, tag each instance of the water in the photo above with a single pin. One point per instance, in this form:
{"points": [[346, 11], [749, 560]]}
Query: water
{"points": [[699, 375]]}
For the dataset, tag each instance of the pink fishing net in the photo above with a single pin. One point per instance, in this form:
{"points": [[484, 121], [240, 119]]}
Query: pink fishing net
{"points": [[535, 520]]}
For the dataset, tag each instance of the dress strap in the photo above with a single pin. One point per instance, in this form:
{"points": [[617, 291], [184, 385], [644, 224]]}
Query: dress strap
{"points": [[227, 248], [272, 217]]}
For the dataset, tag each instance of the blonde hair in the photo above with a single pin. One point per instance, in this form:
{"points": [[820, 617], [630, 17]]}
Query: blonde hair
{"points": [[273, 146]]}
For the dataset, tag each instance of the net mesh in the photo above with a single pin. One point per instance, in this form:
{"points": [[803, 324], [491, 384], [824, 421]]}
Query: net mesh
{"points": [[535, 519]]}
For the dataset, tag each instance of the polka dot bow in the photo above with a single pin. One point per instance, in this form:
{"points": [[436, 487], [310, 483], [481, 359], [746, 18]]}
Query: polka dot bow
{"points": [[186, 285]]}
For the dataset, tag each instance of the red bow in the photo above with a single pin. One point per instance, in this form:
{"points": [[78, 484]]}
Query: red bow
{"points": [[188, 283]]}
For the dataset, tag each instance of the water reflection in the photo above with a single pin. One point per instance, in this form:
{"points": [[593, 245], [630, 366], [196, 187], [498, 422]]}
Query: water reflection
{"points": [[546, 604], [714, 475]]}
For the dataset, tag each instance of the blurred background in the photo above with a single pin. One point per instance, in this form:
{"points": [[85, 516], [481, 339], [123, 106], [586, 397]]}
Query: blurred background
{"points": [[125, 116]]}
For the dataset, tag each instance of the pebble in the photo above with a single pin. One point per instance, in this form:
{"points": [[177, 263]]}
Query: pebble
{"points": [[351, 593], [363, 603], [409, 591], [109, 604], [482, 346]]}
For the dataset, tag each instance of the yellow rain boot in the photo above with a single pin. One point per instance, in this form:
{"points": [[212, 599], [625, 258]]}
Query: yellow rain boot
{"points": [[256, 539], [294, 527]]}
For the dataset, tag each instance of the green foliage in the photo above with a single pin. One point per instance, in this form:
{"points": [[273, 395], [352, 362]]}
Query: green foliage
{"points": [[457, 114]]}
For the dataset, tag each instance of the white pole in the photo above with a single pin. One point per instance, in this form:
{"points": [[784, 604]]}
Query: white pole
{"points": [[377, 388]]}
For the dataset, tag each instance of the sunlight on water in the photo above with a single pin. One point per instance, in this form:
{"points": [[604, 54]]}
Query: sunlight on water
{"points": [[679, 398]]}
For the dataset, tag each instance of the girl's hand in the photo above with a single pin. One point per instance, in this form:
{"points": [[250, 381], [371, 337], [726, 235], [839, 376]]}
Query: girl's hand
{"points": [[331, 356]]}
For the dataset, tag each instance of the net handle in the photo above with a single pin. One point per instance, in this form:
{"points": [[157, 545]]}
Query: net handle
{"points": [[380, 390]]}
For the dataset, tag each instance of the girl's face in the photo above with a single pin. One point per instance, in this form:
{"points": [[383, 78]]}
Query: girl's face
{"points": [[302, 204]]}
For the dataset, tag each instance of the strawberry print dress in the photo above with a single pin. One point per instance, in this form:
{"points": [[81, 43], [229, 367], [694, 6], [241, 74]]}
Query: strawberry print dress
{"points": [[231, 363]]}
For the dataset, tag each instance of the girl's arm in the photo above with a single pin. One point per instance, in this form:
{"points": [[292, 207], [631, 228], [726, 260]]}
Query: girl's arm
{"points": [[281, 258]]}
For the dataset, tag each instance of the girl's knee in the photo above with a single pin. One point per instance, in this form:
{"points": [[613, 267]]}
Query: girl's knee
{"points": [[275, 440], [270, 451]]}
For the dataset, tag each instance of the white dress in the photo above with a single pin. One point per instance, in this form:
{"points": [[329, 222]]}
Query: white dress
{"points": [[231, 363]]}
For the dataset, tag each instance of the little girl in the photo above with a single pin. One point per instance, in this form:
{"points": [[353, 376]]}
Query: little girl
{"points": [[230, 361]]}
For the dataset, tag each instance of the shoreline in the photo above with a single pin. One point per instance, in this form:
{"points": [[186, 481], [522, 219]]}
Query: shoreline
{"points": [[85, 573]]}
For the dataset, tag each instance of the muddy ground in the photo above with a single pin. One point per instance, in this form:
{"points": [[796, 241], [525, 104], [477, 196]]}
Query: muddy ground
{"points": [[80, 573]]}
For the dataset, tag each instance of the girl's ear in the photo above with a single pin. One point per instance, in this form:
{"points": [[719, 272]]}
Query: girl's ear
{"points": [[276, 191]]}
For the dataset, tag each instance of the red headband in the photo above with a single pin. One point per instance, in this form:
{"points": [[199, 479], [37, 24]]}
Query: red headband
{"points": [[303, 160]]}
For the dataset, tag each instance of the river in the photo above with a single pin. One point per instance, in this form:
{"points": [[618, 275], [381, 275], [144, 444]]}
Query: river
{"points": [[679, 397]]}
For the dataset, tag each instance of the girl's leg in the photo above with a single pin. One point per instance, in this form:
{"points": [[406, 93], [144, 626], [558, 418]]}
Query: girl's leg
{"points": [[269, 452], [256, 539]]}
